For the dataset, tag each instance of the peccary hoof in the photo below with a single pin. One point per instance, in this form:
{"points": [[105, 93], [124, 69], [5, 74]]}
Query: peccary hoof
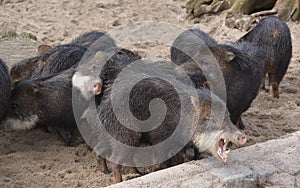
{"points": [[106, 171]]}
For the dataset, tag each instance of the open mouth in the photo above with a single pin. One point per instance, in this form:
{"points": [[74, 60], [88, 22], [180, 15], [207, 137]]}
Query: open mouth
{"points": [[223, 150]]}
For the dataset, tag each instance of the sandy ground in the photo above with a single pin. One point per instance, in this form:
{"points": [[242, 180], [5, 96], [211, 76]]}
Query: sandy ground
{"points": [[37, 159]]}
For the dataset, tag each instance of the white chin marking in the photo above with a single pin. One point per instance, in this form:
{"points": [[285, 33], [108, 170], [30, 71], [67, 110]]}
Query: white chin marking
{"points": [[79, 82], [17, 124], [206, 140]]}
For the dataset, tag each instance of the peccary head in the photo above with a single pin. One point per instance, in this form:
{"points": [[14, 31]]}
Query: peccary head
{"points": [[40, 101], [87, 79], [99, 67], [213, 134], [22, 113], [230, 134]]}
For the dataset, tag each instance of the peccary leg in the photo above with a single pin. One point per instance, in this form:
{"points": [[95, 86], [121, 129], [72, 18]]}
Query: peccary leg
{"points": [[116, 168], [263, 82], [156, 167], [136, 171], [275, 90], [197, 155], [68, 138], [62, 134], [103, 165], [177, 159], [153, 168], [171, 162], [121, 156], [274, 84]]}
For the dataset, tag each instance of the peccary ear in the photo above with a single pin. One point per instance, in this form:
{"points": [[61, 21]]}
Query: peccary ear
{"points": [[223, 54], [43, 48], [35, 88], [228, 56]]}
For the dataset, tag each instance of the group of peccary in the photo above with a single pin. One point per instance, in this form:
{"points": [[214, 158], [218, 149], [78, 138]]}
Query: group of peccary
{"points": [[38, 92]]}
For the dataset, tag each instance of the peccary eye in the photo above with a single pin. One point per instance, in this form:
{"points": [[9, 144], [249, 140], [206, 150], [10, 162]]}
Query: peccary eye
{"points": [[14, 106], [122, 52]]}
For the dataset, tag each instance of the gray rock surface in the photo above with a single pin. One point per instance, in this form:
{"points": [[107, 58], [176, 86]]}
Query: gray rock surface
{"points": [[275, 163]]}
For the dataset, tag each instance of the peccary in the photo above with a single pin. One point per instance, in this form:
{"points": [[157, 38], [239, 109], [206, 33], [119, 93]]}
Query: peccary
{"points": [[210, 134], [48, 63], [5, 92], [273, 35], [87, 79], [240, 63], [43, 102]]}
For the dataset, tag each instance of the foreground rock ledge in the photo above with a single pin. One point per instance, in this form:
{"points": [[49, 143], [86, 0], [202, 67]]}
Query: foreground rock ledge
{"points": [[275, 163]]}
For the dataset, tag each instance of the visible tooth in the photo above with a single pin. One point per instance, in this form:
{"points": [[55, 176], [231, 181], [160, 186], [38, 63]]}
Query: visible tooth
{"points": [[227, 151], [225, 141]]}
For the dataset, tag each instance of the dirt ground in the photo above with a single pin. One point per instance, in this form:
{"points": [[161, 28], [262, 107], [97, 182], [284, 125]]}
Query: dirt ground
{"points": [[37, 159]]}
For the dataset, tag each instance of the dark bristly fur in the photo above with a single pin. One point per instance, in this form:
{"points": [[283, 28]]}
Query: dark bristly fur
{"points": [[51, 62], [241, 64], [273, 35], [115, 60], [140, 96], [87, 39], [5, 92], [48, 100]]}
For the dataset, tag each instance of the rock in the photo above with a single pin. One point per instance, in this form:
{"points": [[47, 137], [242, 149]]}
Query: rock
{"points": [[259, 165], [235, 176], [263, 170], [282, 179]]}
